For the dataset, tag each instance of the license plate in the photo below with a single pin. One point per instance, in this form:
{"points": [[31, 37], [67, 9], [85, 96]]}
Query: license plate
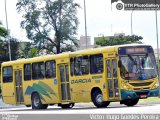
{"points": [[143, 96]]}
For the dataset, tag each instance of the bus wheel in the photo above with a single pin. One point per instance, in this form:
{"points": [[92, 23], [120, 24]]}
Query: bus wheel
{"points": [[97, 99], [64, 106], [36, 102], [131, 102], [28, 105]]}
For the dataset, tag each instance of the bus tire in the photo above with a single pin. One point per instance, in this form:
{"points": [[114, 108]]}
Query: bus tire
{"points": [[28, 105], [45, 106], [131, 102], [65, 106], [97, 99], [36, 102]]}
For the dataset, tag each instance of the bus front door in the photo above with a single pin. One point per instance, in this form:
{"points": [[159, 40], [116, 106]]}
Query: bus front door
{"points": [[64, 79], [112, 77], [19, 88]]}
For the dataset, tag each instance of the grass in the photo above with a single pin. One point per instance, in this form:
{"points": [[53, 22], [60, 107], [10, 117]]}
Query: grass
{"points": [[152, 99]]}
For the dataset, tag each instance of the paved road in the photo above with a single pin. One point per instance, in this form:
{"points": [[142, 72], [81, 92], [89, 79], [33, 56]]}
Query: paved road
{"points": [[114, 108], [3, 105]]}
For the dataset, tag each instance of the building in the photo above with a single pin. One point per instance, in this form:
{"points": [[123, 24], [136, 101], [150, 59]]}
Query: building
{"points": [[156, 54], [84, 44]]}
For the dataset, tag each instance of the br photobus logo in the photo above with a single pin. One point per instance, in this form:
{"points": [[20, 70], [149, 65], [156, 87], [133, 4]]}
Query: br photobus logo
{"points": [[9, 117], [135, 5], [117, 5]]}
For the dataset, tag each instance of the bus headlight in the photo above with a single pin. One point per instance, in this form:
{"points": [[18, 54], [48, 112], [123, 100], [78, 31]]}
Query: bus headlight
{"points": [[125, 87], [156, 85]]}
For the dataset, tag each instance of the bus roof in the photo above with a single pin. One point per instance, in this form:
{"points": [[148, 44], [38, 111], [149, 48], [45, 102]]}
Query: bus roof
{"points": [[70, 54]]}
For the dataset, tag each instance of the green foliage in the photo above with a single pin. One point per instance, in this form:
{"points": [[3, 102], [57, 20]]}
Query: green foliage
{"points": [[28, 51], [118, 40], [4, 37], [50, 23], [4, 54], [3, 32]]}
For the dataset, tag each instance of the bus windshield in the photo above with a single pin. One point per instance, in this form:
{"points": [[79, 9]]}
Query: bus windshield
{"points": [[135, 67]]}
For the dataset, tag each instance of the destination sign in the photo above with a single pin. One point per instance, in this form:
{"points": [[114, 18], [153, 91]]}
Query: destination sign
{"points": [[135, 50]]}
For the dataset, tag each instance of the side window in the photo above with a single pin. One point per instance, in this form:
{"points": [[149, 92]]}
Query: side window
{"points": [[77, 64], [72, 66], [50, 69], [85, 65], [114, 63], [7, 74], [96, 62], [38, 71], [108, 69], [27, 72], [81, 65]]}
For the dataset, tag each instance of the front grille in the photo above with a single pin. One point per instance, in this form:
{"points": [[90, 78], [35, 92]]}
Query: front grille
{"points": [[142, 93], [146, 88], [141, 84]]}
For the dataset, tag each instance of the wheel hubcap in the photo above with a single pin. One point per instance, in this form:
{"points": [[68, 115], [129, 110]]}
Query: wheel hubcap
{"points": [[99, 98], [36, 101]]}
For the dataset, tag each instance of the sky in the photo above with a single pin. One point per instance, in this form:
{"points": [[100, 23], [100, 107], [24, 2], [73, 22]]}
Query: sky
{"points": [[101, 20]]}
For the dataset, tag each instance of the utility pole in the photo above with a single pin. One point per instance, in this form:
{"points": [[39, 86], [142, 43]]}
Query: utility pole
{"points": [[157, 46], [9, 47], [85, 22], [131, 23]]}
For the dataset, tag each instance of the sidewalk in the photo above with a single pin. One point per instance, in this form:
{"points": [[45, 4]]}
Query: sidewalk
{"points": [[3, 105]]}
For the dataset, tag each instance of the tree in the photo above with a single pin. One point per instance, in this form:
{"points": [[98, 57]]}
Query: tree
{"points": [[3, 34], [4, 53], [28, 50], [50, 23], [3, 31], [118, 40]]}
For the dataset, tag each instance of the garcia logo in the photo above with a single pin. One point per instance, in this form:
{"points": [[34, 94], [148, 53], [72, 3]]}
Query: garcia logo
{"points": [[80, 81]]}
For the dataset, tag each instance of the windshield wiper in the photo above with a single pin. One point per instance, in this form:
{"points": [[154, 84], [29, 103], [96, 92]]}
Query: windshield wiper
{"points": [[131, 58]]}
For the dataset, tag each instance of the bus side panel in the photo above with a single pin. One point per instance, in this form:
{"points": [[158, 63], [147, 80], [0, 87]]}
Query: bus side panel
{"points": [[52, 94], [81, 87], [8, 90], [8, 93], [47, 89], [99, 81], [27, 89]]}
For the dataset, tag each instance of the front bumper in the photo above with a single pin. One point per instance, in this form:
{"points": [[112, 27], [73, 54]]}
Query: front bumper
{"points": [[126, 94]]}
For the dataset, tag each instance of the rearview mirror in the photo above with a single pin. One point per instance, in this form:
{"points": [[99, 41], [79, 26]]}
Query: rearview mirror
{"points": [[119, 63]]}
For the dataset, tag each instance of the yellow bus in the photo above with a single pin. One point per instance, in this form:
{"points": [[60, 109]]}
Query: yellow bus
{"points": [[124, 73]]}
